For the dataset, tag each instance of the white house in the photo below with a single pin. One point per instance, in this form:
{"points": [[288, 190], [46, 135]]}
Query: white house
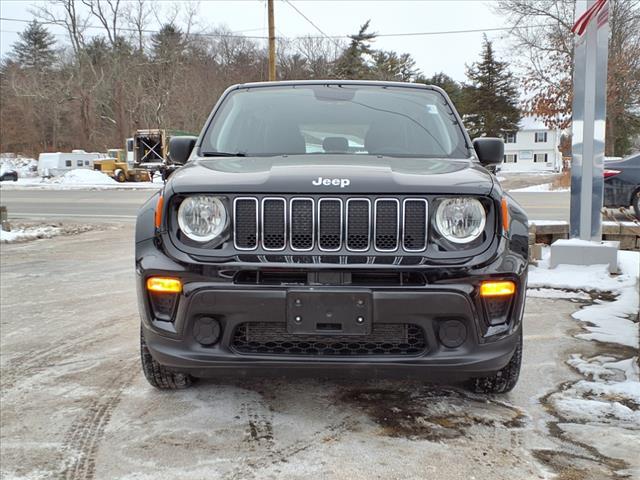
{"points": [[534, 147]]}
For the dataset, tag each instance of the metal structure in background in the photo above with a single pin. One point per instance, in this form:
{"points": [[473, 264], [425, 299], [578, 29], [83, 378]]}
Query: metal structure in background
{"points": [[589, 115]]}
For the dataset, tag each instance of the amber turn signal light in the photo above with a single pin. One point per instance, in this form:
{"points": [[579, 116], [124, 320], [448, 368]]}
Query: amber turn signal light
{"points": [[497, 289], [504, 210], [164, 285], [158, 213]]}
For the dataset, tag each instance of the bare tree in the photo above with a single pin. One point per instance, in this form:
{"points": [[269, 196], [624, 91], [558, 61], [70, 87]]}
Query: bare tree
{"points": [[136, 14], [542, 29], [108, 13]]}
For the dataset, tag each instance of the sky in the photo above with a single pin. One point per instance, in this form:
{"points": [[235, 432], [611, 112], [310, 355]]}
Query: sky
{"points": [[433, 53]]}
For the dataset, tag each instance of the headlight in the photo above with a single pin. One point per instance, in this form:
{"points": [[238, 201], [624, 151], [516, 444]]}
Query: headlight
{"points": [[460, 220], [202, 217]]}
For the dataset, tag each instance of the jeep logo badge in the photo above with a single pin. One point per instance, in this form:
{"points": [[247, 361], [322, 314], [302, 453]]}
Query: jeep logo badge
{"points": [[336, 182]]}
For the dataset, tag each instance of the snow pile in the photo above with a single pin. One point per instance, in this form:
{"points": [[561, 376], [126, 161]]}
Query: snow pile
{"points": [[545, 187], [610, 396], [82, 176], [80, 179], [26, 167], [605, 321], [29, 233]]}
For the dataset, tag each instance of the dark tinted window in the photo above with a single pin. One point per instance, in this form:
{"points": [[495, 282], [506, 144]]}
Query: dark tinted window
{"points": [[311, 119]]}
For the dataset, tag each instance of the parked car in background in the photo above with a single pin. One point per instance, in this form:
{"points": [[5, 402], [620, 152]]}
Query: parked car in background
{"points": [[8, 175], [622, 183]]}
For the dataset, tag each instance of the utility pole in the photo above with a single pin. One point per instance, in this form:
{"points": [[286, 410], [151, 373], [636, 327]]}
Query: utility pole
{"points": [[272, 42]]}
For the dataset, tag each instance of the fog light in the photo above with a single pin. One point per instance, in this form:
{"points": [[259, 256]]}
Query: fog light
{"points": [[164, 285], [497, 289], [206, 331], [452, 333]]}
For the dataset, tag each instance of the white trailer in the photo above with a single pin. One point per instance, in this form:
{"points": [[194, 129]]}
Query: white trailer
{"points": [[54, 164]]}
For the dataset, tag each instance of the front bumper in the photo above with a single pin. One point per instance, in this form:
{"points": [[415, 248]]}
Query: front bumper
{"points": [[484, 349]]}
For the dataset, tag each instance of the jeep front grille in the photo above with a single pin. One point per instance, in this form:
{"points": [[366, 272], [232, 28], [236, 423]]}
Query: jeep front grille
{"points": [[330, 224], [385, 339]]}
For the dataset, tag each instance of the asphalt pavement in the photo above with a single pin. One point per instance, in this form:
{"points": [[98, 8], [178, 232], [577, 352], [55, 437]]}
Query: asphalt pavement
{"points": [[101, 205]]}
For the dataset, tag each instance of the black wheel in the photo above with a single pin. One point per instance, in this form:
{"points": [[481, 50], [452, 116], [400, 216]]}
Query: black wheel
{"points": [[120, 176], [636, 203], [158, 375], [504, 380]]}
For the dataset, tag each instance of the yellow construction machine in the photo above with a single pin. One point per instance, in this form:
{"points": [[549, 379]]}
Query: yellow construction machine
{"points": [[116, 166]]}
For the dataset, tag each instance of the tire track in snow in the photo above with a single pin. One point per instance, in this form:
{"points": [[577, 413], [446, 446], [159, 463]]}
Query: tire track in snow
{"points": [[252, 468], [83, 438]]}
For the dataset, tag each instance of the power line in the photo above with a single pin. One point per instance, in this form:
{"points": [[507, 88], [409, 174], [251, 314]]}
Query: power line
{"points": [[324, 35], [448, 32], [313, 24], [144, 30]]}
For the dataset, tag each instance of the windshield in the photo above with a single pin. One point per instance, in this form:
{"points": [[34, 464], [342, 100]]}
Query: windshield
{"points": [[336, 119]]}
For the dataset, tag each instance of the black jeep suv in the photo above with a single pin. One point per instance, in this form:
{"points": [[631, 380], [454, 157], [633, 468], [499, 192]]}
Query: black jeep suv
{"points": [[333, 225]]}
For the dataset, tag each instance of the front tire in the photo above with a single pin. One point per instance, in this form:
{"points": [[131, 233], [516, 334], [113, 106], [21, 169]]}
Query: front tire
{"points": [[120, 176], [636, 203], [158, 375], [504, 380]]}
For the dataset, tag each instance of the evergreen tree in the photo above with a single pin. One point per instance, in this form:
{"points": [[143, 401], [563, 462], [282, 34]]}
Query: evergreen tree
{"points": [[491, 97], [449, 85], [353, 63], [388, 65], [35, 49], [168, 43]]}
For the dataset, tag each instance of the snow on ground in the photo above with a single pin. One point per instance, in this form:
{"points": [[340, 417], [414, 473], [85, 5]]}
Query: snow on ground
{"points": [[25, 232], [80, 179], [556, 293], [26, 167], [28, 233], [617, 223], [84, 177], [607, 400], [548, 222], [604, 321], [545, 187]]}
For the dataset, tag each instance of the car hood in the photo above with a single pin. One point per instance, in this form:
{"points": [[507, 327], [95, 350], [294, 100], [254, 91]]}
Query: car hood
{"points": [[346, 174]]}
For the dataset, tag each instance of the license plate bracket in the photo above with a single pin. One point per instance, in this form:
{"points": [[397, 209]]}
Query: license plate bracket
{"points": [[329, 312]]}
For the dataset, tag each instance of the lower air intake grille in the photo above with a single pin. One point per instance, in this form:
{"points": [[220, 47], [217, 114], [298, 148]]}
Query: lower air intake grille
{"points": [[386, 339]]}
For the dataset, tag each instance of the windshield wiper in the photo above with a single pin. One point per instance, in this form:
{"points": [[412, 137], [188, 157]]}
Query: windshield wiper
{"points": [[223, 154]]}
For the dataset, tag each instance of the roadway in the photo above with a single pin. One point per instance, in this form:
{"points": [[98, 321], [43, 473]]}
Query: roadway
{"points": [[107, 205]]}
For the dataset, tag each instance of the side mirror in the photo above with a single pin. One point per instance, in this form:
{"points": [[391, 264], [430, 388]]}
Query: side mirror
{"points": [[180, 148], [490, 150]]}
